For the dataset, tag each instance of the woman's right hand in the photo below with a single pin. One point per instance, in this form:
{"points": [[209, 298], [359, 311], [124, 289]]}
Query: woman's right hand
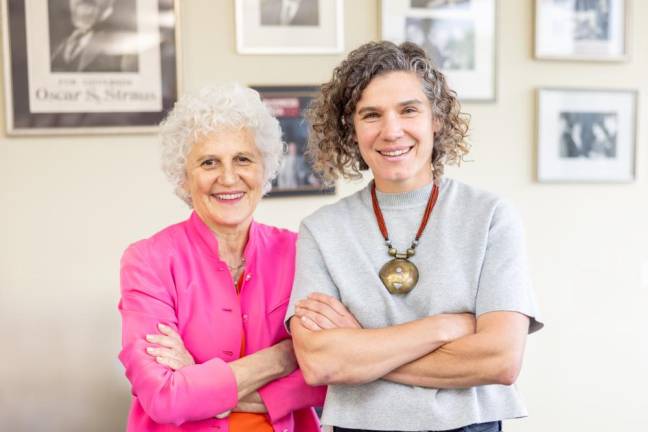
{"points": [[170, 351]]}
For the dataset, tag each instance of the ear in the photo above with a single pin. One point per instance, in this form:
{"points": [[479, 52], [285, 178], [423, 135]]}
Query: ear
{"points": [[437, 124]]}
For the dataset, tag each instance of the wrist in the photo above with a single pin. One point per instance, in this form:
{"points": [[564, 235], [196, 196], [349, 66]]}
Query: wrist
{"points": [[439, 330]]}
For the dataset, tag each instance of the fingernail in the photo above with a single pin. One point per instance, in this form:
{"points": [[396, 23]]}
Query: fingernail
{"points": [[161, 326], [149, 349], [149, 338]]}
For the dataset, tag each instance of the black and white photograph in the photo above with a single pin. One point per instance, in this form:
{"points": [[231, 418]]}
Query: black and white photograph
{"points": [[289, 12], [440, 3], [89, 66], [450, 43], [586, 135], [295, 176], [93, 36], [289, 26], [581, 29], [591, 19], [458, 35]]}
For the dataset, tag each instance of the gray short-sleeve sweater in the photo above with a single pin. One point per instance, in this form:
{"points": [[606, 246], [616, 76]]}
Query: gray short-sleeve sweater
{"points": [[471, 258]]}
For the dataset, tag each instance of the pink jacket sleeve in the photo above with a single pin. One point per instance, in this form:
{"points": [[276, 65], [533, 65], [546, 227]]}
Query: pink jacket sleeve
{"points": [[290, 393], [192, 393]]}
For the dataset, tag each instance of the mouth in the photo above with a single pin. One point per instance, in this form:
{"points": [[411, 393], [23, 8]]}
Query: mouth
{"points": [[395, 153], [228, 197]]}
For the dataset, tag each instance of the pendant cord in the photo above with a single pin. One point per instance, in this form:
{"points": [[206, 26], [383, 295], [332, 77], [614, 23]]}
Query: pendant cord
{"points": [[426, 215]]}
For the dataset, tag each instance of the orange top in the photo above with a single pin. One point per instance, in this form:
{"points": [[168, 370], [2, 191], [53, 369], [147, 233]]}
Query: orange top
{"points": [[241, 421]]}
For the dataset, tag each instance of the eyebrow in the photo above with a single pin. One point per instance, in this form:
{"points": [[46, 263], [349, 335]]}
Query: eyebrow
{"points": [[404, 103]]}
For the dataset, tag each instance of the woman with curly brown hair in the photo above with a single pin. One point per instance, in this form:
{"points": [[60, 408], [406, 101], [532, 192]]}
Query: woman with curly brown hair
{"points": [[411, 297]]}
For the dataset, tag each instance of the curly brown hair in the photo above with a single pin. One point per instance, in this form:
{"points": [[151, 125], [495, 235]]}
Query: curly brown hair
{"points": [[332, 146]]}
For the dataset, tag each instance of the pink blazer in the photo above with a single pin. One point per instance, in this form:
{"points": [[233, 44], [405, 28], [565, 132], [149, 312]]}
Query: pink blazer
{"points": [[175, 277]]}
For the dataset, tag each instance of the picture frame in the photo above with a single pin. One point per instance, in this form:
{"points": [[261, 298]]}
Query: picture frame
{"points": [[460, 36], [581, 30], [288, 104], [586, 135], [115, 72], [280, 27]]}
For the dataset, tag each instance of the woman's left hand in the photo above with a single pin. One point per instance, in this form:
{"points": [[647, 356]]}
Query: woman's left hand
{"points": [[171, 351], [320, 311]]}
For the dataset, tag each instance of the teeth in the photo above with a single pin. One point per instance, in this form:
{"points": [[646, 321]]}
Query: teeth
{"points": [[231, 196], [395, 152]]}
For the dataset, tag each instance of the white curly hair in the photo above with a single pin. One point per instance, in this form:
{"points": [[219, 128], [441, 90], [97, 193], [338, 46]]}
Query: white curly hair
{"points": [[211, 109]]}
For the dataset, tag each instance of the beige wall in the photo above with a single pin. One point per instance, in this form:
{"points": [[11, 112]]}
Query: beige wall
{"points": [[70, 205]]}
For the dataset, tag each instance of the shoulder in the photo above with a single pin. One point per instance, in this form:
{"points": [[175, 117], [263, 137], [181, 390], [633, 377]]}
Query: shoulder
{"points": [[166, 239], [473, 203], [330, 216], [268, 236]]}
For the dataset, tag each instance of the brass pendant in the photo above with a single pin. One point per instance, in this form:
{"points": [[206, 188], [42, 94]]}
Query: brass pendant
{"points": [[399, 275]]}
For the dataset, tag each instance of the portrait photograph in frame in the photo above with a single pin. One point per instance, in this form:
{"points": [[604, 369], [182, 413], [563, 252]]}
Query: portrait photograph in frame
{"points": [[458, 35], [581, 30], [72, 70], [288, 104], [586, 136], [289, 26]]}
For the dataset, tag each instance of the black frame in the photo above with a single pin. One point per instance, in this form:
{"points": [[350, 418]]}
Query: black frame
{"points": [[21, 121]]}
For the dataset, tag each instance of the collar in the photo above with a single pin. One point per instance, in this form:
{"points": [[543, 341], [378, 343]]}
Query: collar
{"points": [[209, 242]]}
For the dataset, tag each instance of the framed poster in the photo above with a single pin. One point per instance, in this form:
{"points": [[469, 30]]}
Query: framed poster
{"points": [[458, 35], [99, 66], [289, 26], [581, 30], [296, 176], [586, 135]]}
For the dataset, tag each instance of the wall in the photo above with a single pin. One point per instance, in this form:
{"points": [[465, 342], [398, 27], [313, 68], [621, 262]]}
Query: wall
{"points": [[70, 205]]}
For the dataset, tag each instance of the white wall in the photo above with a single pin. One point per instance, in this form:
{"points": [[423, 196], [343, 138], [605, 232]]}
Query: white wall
{"points": [[70, 205]]}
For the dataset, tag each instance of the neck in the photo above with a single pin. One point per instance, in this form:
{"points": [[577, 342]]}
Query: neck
{"points": [[387, 186], [231, 241]]}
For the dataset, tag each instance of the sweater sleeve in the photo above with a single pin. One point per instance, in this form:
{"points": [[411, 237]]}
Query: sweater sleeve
{"points": [[504, 282], [311, 272], [192, 393]]}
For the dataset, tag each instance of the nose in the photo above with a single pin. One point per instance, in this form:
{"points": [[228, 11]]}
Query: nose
{"points": [[228, 175], [392, 127]]}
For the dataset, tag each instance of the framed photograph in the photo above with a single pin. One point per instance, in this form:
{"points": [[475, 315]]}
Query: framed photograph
{"points": [[586, 135], [458, 35], [296, 176], [593, 30], [98, 66], [289, 26]]}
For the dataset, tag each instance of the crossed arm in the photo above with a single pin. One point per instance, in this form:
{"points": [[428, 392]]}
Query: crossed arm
{"points": [[251, 372], [441, 351]]}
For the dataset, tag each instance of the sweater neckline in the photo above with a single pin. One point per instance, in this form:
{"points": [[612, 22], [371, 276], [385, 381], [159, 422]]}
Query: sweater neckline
{"points": [[399, 200]]}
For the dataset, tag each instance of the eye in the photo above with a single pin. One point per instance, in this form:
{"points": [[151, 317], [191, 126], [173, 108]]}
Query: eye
{"points": [[208, 163], [243, 160], [370, 115], [410, 110]]}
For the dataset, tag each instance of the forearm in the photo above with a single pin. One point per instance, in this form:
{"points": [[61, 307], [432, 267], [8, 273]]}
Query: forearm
{"points": [[353, 356], [256, 370], [493, 355]]}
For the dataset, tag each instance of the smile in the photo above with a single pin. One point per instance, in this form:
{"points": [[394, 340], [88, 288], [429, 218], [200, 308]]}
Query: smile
{"points": [[395, 153], [229, 196]]}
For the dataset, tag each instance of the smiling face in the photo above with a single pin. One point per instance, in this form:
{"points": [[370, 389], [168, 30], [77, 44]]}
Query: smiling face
{"points": [[225, 179], [394, 128]]}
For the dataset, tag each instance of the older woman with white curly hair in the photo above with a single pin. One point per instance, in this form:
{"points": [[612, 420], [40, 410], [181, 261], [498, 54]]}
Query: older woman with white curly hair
{"points": [[203, 301]]}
